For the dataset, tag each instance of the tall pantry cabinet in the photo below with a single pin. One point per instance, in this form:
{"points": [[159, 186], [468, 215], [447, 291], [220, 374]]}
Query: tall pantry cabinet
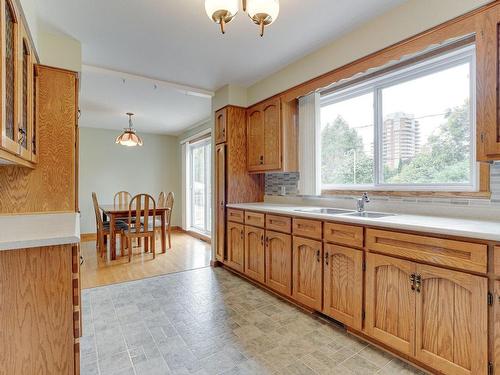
{"points": [[233, 182]]}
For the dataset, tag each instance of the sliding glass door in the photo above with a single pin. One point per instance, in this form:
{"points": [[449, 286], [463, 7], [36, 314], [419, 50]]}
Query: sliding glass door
{"points": [[200, 185]]}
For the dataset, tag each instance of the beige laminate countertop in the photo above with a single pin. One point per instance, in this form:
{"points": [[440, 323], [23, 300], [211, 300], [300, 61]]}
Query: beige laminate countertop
{"points": [[479, 229], [39, 230]]}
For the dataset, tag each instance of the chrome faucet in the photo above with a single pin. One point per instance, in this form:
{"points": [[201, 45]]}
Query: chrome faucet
{"points": [[361, 202]]}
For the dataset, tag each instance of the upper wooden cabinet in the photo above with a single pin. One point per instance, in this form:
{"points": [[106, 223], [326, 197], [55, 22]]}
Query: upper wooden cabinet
{"points": [[220, 125], [17, 87], [272, 136], [487, 77]]}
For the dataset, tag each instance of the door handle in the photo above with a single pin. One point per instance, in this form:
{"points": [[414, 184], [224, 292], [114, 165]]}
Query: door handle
{"points": [[418, 283], [412, 281]]}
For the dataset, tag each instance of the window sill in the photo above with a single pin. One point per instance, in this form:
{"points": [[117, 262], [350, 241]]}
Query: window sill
{"points": [[431, 194]]}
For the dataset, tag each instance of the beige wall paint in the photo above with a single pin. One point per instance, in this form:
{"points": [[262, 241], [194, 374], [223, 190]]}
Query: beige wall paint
{"points": [[60, 51], [107, 168], [195, 130], [408, 19], [229, 94], [30, 13]]}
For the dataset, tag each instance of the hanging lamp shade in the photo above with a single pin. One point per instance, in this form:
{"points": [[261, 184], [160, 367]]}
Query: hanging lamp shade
{"points": [[129, 138], [263, 12], [221, 11]]}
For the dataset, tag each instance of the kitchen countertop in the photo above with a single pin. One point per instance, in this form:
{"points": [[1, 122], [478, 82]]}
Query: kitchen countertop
{"points": [[37, 230], [479, 229]]}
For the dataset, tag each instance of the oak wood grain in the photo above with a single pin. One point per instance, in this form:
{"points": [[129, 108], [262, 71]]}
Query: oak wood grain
{"points": [[255, 257], [307, 228], [256, 219], [307, 271], [238, 216], [279, 262], [235, 246], [51, 186], [343, 234], [36, 306]]}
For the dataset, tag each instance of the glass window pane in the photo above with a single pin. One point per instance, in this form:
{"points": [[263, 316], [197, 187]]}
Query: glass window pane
{"points": [[347, 142], [426, 129]]}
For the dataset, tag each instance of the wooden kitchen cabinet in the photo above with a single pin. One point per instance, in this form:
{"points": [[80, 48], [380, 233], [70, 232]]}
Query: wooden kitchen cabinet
{"points": [[235, 246], [451, 321], [17, 112], [220, 200], [390, 302], [272, 137], [255, 254], [279, 262], [496, 328], [343, 285], [220, 125], [307, 271]]}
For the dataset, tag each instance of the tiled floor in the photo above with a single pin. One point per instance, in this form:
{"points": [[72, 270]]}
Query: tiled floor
{"points": [[208, 321]]}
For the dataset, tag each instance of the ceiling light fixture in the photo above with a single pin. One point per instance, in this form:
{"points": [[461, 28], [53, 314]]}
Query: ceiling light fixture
{"points": [[128, 137], [262, 12]]}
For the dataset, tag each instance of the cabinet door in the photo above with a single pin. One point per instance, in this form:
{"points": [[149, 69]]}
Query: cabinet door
{"points": [[496, 328], [220, 191], [451, 321], [235, 246], [390, 302], [307, 272], [10, 45], [279, 262], [220, 125], [254, 254], [272, 134], [487, 78], [34, 111], [25, 93], [343, 285], [255, 139]]}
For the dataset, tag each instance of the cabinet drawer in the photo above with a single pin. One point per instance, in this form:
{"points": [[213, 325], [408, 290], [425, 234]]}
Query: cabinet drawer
{"points": [[343, 234], [256, 219], [279, 223], [235, 215], [307, 228], [457, 254]]}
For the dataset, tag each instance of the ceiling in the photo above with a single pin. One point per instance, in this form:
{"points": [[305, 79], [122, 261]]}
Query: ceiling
{"points": [[174, 40]]}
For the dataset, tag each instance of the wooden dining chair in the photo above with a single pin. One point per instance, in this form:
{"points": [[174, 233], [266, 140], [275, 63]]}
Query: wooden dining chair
{"points": [[169, 203], [103, 228], [122, 198], [141, 205]]}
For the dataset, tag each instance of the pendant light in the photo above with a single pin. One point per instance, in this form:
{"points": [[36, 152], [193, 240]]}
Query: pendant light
{"points": [[221, 11], [262, 12], [128, 137]]}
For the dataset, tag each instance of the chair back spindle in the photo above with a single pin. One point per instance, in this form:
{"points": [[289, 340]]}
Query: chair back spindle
{"points": [[142, 205], [122, 198]]}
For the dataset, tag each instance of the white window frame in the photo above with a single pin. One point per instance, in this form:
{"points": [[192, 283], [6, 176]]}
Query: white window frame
{"points": [[447, 60], [208, 194]]}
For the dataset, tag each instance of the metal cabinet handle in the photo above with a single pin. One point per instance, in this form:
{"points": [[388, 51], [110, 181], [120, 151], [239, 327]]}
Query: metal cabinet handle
{"points": [[418, 283], [241, 234], [318, 255], [262, 240], [412, 281], [326, 258]]}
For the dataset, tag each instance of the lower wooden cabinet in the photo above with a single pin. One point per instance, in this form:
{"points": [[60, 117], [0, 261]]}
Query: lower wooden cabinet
{"points": [[307, 272], [254, 253], [343, 285], [451, 321], [220, 200], [390, 302], [235, 246], [496, 328], [435, 315], [279, 262]]}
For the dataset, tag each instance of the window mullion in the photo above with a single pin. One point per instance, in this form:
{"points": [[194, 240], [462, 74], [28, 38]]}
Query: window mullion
{"points": [[377, 128]]}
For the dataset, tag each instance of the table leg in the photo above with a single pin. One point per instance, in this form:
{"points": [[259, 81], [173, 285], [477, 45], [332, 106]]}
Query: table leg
{"points": [[113, 236], [105, 219], [163, 232]]}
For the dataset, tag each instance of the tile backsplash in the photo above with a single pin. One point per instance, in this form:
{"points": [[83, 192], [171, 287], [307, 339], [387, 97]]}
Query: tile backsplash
{"points": [[274, 183]]}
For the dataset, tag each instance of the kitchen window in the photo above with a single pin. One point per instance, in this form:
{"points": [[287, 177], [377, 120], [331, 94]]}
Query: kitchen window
{"points": [[411, 128]]}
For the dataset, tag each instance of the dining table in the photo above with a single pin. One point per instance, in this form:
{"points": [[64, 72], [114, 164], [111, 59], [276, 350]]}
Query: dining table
{"points": [[114, 212]]}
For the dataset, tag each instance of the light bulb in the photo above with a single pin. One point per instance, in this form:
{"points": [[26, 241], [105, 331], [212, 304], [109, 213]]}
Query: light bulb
{"points": [[221, 11], [263, 12]]}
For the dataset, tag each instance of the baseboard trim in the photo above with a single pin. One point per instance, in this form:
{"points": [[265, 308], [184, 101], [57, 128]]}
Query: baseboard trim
{"points": [[86, 237]]}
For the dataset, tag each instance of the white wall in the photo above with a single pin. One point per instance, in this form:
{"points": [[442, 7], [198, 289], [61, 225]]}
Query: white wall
{"points": [[106, 168], [406, 20], [60, 51]]}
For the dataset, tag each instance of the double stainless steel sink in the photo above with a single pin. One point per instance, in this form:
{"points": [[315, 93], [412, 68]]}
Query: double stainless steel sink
{"points": [[344, 212]]}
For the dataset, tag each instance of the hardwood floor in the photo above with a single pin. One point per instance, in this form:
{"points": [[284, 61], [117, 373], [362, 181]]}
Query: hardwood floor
{"points": [[187, 253]]}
